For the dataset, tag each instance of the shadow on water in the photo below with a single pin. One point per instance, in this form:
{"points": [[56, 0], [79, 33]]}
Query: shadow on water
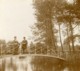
{"points": [[2, 65], [12, 66], [47, 64], [73, 63], [38, 63]]}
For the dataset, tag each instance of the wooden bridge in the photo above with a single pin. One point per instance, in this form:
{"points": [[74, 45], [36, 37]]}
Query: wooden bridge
{"points": [[39, 52]]}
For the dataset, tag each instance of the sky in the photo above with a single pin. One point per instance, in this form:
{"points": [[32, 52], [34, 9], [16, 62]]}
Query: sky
{"points": [[70, 1], [16, 17]]}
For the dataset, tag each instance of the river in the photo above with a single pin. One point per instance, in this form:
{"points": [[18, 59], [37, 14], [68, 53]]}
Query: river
{"points": [[32, 63]]}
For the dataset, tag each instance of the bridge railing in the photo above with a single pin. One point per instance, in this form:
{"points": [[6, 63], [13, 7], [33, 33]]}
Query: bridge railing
{"points": [[48, 51]]}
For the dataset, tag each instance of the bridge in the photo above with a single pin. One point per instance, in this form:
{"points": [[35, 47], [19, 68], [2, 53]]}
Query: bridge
{"points": [[39, 58], [37, 52], [32, 55]]}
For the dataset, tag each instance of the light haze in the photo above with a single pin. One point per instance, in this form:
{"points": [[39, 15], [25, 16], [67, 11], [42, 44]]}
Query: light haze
{"points": [[16, 17]]}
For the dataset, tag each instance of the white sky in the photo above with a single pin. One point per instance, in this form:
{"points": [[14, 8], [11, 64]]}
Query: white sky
{"points": [[70, 1], [15, 18]]}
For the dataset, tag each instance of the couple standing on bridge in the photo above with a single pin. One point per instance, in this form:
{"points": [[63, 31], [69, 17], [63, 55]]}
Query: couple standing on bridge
{"points": [[16, 45]]}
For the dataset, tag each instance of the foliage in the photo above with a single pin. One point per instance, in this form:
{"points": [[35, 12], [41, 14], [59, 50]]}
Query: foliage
{"points": [[45, 11]]}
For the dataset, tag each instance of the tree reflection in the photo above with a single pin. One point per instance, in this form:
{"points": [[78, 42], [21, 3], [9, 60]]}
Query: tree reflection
{"points": [[47, 64]]}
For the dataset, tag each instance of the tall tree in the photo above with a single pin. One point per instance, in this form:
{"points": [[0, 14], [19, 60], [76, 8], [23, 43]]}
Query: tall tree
{"points": [[68, 16], [44, 9], [47, 11]]}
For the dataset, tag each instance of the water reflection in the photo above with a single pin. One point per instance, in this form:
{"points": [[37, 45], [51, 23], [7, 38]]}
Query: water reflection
{"points": [[32, 64], [47, 64]]}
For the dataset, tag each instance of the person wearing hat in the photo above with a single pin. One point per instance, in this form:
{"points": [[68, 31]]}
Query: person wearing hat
{"points": [[24, 45], [15, 45]]}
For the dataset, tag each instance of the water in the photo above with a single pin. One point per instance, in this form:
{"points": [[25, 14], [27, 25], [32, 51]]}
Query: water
{"points": [[32, 63]]}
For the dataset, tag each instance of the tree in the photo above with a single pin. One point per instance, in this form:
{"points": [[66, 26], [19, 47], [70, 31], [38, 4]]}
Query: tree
{"points": [[69, 15], [47, 11], [44, 22], [2, 46], [45, 14]]}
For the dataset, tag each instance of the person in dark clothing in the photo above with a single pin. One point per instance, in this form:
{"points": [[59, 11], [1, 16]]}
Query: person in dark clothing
{"points": [[24, 45], [15, 46]]}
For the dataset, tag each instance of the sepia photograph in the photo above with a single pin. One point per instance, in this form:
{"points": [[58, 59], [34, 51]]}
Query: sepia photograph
{"points": [[39, 35]]}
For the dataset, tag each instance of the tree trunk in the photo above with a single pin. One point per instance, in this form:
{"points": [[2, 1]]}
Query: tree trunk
{"points": [[50, 36], [60, 38], [72, 38], [68, 42]]}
